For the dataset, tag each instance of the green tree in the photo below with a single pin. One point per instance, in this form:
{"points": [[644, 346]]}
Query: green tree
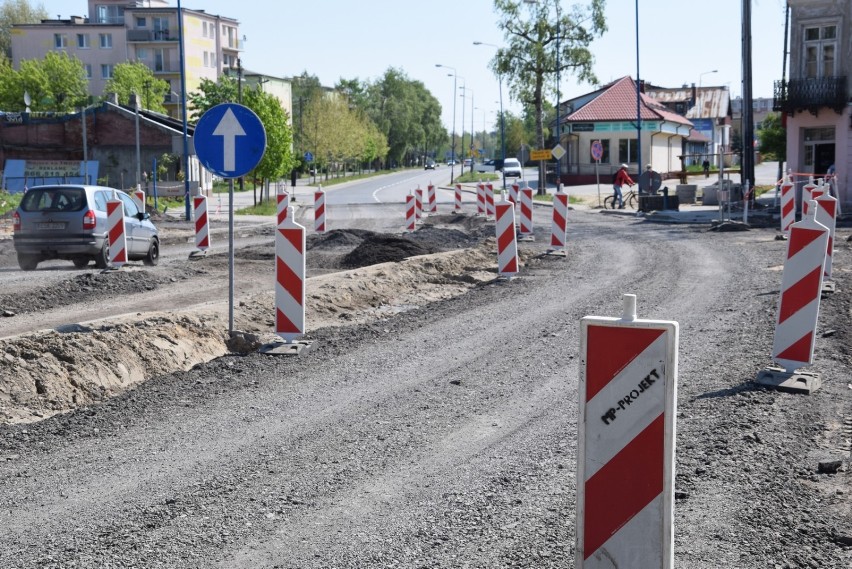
{"points": [[55, 83], [529, 61], [305, 88], [212, 93], [773, 137], [278, 159], [17, 12], [138, 78]]}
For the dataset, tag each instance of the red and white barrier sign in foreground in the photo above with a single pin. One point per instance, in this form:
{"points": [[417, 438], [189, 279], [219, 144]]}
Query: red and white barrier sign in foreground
{"points": [[801, 284], [526, 213], [283, 201], [625, 466], [788, 206], [202, 225], [289, 277], [116, 234], [507, 243], [410, 217], [826, 214]]}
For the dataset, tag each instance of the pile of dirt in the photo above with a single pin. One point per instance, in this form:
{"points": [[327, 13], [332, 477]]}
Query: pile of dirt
{"points": [[383, 248], [337, 238]]}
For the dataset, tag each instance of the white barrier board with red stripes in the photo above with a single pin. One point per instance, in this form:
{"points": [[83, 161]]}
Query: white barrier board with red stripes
{"points": [[625, 466]]}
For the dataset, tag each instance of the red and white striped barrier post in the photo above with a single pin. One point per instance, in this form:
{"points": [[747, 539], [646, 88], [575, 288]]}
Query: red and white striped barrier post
{"points": [[418, 203], [526, 214], [289, 277], [139, 197], [283, 201], [559, 226], [826, 214], [788, 205], [480, 198], [410, 216], [433, 201], [625, 466], [489, 200], [798, 307], [806, 194], [202, 229], [319, 210], [507, 244], [514, 190], [457, 208], [116, 234]]}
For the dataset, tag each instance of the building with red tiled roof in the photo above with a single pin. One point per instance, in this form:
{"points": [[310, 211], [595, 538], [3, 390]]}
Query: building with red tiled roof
{"points": [[608, 115]]}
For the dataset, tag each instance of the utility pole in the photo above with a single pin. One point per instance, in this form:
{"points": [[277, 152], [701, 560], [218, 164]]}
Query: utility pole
{"points": [[747, 173]]}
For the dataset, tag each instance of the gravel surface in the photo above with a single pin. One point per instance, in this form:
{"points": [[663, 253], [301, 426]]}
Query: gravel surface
{"points": [[444, 435]]}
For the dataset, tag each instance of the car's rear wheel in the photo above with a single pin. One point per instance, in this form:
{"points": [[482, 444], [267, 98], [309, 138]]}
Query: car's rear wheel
{"points": [[102, 258], [81, 262], [153, 256], [28, 262]]}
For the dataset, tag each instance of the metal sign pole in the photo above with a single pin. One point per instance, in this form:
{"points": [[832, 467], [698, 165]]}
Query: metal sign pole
{"points": [[230, 255], [598, 178]]}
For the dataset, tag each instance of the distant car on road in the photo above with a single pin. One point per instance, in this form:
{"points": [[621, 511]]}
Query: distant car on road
{"points": [[430, 165], [70, 222], [452, 162], [468, 162], [511, 167]]}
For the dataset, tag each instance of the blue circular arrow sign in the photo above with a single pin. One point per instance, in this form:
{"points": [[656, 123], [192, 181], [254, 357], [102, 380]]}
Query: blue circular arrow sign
{"points": [[229, 140]]}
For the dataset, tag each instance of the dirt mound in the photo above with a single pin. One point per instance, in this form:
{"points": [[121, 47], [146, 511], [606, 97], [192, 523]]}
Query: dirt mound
{"points": [[338, 238], [383, 248], [87, 286], [442, 238]]}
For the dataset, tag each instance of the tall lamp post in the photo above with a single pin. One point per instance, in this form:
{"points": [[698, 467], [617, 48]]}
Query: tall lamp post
{"points": [[502, 116], [453, 141], [463, 90], [701, 75]]}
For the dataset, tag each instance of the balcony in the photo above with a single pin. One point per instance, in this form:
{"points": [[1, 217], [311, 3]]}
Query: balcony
{"points": [[149, 36], [797, 95]]}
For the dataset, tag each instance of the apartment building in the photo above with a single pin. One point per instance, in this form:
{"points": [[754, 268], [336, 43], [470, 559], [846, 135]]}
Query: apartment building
{"points": [[147, 31], [817, 99]]}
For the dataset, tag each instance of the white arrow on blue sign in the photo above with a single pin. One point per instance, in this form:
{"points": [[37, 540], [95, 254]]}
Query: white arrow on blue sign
{"points": [[229, 140], [309, 157]]}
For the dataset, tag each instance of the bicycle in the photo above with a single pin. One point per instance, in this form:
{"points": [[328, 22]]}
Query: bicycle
{"points": [[629, 199]]}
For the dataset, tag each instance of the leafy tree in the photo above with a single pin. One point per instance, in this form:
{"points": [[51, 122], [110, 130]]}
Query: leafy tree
{"points": [[773, 137], [212, 93], [135, 77], [529, 61], [17, 12], [305, 88], [55, 83], [278, 159]]}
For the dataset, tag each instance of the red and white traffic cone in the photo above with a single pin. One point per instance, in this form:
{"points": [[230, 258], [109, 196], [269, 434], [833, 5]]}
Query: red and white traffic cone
{"points": [[489, 200], [559, 227], [480, 198], [418, 204], [202, 229], [526, 214], [801, 283], [507, 245], [514, 192], [433, 202], [319, 211], [116, 234], [289, 277], [410, 215], [826, 214], [457, 208], [788, 205], [283, 201]]}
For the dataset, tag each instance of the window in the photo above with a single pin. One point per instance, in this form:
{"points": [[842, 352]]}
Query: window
{"points": [[60, 41], [83, 41], [206, 59], [204, 29], [106, 71], [141, 22], [159, 60], [814, 137], [110, 14], [130, 209], [106, 41], [820, 47], [88, 71], [141, 53], [212, 59], [626, 150]]}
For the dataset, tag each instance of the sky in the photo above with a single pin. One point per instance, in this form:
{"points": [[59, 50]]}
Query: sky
{"points": [[680, 42]]}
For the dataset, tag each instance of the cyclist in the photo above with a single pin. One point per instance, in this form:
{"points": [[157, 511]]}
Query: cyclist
{"points": [[621, 178]]}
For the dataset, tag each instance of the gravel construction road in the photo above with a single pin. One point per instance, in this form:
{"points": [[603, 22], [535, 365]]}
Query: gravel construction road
{"points": [[434, 424]]}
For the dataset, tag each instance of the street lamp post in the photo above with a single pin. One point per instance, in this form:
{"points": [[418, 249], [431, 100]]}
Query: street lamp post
{"points": [[463, 90], [472, 130], [453, 141], [701, 75], [502, 116]]}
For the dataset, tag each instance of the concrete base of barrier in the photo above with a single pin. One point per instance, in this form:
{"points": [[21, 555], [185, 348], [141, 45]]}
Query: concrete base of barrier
{"points": [[282, 348], [829, 286], [794, 382], [197, 254], [526, 238], [556, 253]]}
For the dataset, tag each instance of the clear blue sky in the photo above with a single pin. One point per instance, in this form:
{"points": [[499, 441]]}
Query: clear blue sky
{"points": [[680, 40]]}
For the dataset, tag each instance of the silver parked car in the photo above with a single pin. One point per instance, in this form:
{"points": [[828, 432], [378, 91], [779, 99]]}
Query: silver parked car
{"points": [[70, 222]]}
